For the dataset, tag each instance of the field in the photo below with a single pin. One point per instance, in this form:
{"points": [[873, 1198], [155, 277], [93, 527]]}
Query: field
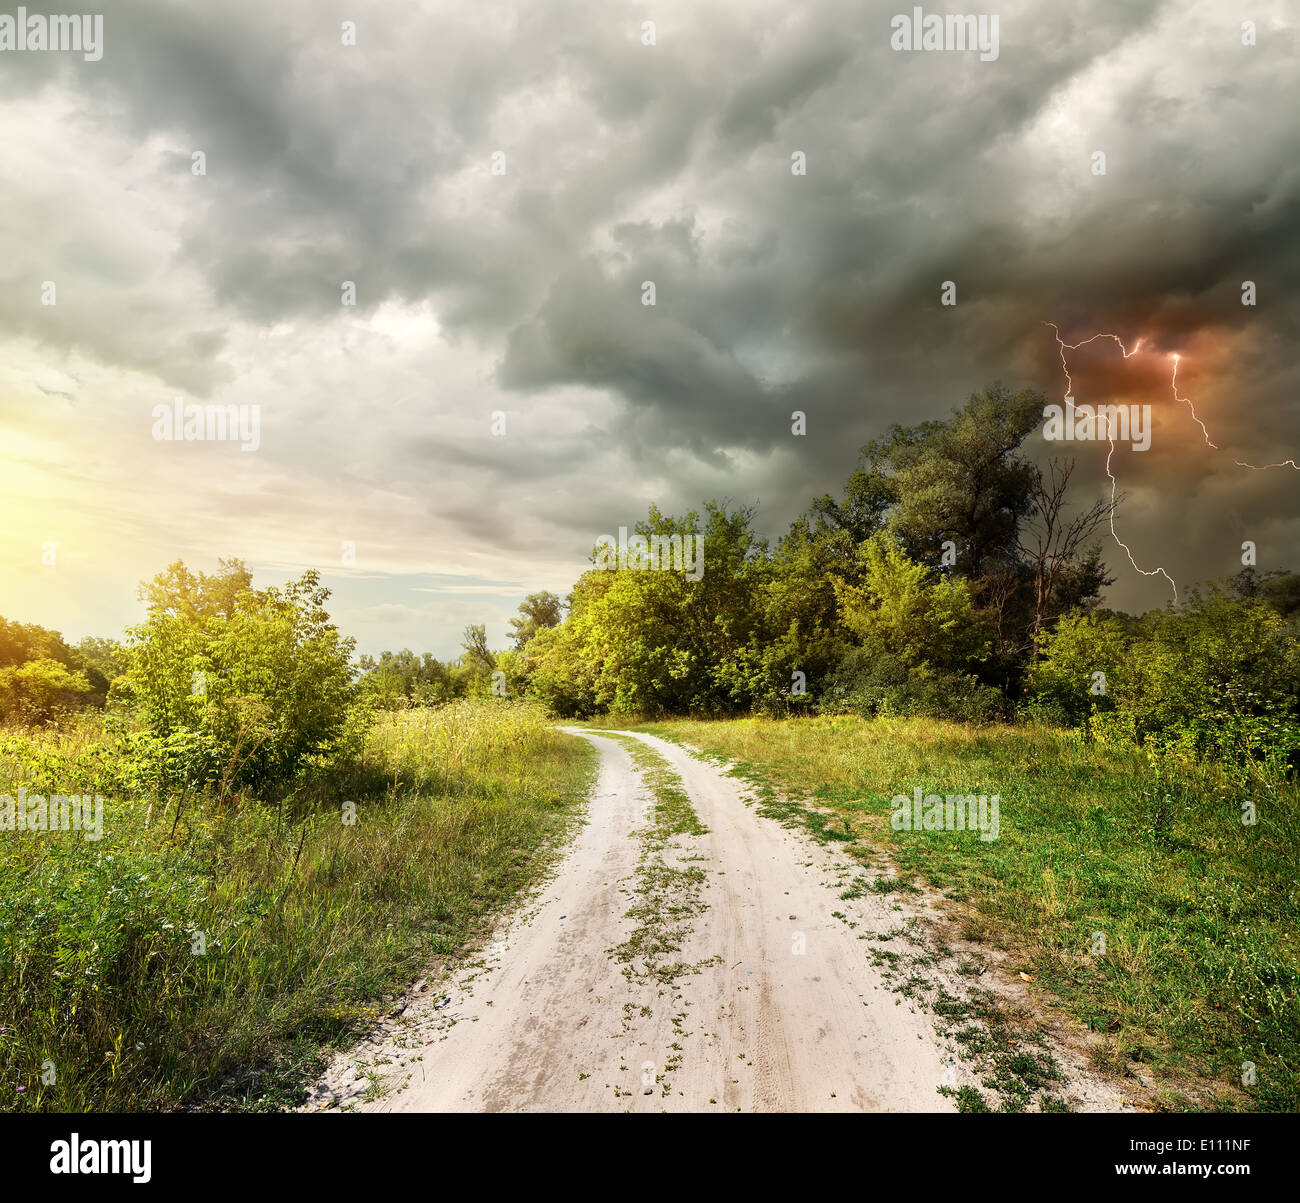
{"points": [[205, 953], [209, 950], [1200, 912]]}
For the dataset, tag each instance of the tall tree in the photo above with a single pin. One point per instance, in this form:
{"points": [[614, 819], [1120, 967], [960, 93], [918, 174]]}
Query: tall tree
{"points": [[537, 612], [1052, 543], [961, 481], [474, 641]]}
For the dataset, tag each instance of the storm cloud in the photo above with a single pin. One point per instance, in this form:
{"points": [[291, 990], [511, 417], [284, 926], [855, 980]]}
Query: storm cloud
{"points": [[500, 181]]}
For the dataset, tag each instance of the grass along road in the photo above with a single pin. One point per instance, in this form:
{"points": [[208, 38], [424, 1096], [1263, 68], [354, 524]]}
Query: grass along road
{"points": [[1200, 912], [694, 954], [309, 923]]}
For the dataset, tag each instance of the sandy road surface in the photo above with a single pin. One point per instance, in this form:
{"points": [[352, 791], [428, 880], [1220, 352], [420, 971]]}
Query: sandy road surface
{"points": [[777, 1008]]}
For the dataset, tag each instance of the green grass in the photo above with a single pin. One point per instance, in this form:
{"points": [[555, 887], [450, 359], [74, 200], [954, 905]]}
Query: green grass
{"points": [[1201, 913], [309, 924]]}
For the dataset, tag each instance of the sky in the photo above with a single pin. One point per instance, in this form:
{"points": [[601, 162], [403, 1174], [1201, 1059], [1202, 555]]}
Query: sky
{"points": [[498, 183]]}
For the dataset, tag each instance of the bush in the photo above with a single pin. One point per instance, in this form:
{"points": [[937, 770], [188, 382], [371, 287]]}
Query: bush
{"points": [[40, 691], [1061, 682], [872, 685], [199, 954], [1218, 679], [919, 637], [243, 688]]}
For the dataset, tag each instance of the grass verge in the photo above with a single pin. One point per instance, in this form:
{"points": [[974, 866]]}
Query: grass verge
{"points": [[1200, 913], [209, 957]]}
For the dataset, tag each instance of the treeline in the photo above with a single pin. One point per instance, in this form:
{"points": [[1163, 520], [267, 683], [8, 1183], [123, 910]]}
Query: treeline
{"points": [[925, 587], [1217, 679], [953, 577], [41, 677], [398, 680]]}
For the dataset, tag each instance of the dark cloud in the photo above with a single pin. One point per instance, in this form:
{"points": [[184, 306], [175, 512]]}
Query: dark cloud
{"points": [[671, 163]]}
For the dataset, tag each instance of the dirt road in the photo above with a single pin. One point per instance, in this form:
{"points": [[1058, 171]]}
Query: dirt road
{"points": [[679, 971]]}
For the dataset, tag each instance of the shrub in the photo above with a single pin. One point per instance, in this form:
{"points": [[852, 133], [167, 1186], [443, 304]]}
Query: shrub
{"points": [[246, 688], [1218, 679], [40, 690], [872, 685]]}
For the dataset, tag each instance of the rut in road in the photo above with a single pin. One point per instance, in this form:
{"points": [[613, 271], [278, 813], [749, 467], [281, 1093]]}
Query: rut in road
{"points": [[688, 954]]}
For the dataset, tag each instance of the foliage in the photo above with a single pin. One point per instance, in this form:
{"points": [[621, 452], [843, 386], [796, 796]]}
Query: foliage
{"points": [[1218, 678], [257, 683], [537, 612], [307, 923], [657, 641], [903, 609], [42, 678], [398, 680], [918, 564], [1201, 913], [38, 691], [953, 577]]}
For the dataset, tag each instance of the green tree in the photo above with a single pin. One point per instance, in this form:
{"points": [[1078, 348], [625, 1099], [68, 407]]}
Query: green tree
{"points": [[259, 682], [1279, 588], [1063, 683], [658, 641], [909, 611], [537, 612], [962, 481], [101, 656], [40, 691], [1218, 678], [27, 643]]}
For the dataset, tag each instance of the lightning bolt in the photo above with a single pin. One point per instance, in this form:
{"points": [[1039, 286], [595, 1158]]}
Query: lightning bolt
{"points": [[1286, 463], [1063, 347]]}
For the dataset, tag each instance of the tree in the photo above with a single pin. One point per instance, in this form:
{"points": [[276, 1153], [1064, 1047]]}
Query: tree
{"points": [[1279, 588], [558, 661], [801, 623], [474, 641], [537, 612], [39, 691], [917, 641], [477, 663], [759, 623], [26, 643], [179, 591], [908, 611], [1051, 544], [1082, 666], [103, 656], [400, 679], [259, 683], [961, 481], [1218, 677], [659, 641], [21, 642]]}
